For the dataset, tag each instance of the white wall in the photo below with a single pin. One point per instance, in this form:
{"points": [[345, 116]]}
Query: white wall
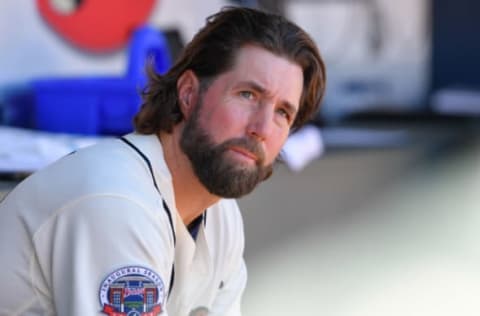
{"points": [[28, 48], [397, 72], [342, 29]]}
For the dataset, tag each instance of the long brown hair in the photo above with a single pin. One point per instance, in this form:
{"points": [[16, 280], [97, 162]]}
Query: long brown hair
{"points": [[212, 52]]}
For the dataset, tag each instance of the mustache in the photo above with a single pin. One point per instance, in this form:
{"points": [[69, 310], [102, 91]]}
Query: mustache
{"points": [[248, 144]]}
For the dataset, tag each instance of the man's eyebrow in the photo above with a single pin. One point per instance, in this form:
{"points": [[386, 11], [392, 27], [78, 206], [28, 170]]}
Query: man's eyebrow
{"points": [[259, 88], [253, 85]]}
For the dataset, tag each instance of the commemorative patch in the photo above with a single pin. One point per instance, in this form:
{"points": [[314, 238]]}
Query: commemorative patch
{"points": [[132, 291]]}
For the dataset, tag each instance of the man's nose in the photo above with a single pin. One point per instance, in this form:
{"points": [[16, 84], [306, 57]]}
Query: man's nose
{"points": [[260, 124]]}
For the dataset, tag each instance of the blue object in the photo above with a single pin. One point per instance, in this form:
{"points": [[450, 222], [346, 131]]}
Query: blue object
{"points": [[100, 105], [17, 106]]}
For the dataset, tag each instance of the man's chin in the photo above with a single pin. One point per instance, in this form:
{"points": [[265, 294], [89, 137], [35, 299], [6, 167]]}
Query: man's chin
{"points": [[234, 183]]}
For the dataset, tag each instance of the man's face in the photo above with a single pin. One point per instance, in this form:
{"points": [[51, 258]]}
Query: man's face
{"points": [[240, 123]]}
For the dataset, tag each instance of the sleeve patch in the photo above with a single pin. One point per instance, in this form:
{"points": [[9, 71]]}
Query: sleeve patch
{"points": [[132, 290]]}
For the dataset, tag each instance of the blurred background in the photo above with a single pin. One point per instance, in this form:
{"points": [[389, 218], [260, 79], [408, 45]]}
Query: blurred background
{"points": [[375, 208]]}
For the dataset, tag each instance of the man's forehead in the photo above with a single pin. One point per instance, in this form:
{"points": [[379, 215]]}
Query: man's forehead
{"points": [[258, 66]]}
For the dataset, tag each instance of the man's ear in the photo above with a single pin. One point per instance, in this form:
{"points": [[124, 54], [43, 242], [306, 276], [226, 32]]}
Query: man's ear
{"points": [[188, 87]]}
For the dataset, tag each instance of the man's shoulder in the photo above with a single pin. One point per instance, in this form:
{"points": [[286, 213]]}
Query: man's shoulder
{"points": [[106, 168], [108, 162]]}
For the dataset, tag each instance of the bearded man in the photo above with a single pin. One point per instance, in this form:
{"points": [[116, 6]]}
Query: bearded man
{"points": [[147, 224]]}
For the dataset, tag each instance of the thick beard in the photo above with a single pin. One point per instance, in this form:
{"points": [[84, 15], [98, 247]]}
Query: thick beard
{"points": [[220, 175]]}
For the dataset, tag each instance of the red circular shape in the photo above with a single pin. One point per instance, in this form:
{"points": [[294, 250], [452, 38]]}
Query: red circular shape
{"points": [[98, 26]]}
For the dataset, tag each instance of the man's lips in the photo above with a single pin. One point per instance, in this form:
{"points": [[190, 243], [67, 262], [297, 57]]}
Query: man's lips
{"points": [[245, 153]]}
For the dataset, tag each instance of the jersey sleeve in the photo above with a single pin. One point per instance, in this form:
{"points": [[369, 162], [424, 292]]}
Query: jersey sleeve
{"points": [[106, 254]]}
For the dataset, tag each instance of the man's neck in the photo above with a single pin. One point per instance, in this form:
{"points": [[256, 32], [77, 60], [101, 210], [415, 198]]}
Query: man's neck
{"points": [[191, 197]]}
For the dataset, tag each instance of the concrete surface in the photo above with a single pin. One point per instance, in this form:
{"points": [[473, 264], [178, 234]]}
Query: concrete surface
{"points": [[375, 232]]}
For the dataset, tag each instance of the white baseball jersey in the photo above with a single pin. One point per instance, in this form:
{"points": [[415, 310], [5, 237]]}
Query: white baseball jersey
{"points": [[98, 233]]}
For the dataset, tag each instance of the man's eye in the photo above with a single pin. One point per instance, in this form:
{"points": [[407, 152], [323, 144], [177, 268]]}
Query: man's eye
{"points": [[284, 113], [246, 94]]}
